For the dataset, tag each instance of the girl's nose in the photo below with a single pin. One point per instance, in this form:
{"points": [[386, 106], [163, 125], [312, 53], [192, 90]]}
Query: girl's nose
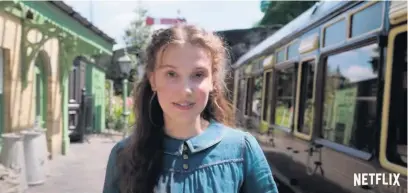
{"points": [[188, 87]]}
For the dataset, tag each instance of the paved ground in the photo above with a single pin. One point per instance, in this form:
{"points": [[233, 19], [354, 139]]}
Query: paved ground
{"points": [[81, 171]]}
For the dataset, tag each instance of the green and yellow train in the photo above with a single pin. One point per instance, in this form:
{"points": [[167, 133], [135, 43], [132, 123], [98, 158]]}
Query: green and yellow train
{"points": [[328, 92]]}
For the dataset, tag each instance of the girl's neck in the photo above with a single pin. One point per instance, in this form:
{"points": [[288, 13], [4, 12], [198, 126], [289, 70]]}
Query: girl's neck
{"points": [[184, 129]]}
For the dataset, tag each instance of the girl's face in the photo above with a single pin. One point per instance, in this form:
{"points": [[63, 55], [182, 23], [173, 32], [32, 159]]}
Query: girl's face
{"points": [[183, 80]]}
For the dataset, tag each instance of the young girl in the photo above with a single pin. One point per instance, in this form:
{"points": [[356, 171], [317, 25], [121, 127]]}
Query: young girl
{"points": [[184, 140]]}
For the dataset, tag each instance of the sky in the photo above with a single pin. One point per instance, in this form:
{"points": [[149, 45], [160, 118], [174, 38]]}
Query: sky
{"points": [[113, 17]]}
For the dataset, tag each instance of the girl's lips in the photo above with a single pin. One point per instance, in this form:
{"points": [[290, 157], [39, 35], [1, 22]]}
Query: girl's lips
{"points": [[184, 106]]}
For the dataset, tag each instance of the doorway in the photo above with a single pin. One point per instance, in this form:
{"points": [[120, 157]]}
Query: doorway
{"points": [[40, 91]]}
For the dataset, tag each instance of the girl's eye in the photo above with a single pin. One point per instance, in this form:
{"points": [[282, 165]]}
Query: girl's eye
{"points": [[171, 74], [199, 75]]}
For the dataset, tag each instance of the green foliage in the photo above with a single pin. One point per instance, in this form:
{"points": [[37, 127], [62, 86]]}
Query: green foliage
{"points": [[282, 12], [137, 36], [116, 119]]}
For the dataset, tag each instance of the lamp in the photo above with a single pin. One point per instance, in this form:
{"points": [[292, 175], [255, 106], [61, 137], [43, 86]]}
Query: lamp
{"points": [[125, 64]]}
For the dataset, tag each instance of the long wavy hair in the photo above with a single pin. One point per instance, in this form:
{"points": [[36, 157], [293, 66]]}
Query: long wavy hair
{"points": [[140, 161]]}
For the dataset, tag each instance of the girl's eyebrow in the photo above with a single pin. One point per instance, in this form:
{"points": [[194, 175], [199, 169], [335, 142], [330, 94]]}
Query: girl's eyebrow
{"points": [[166, 66], [201, 68]]}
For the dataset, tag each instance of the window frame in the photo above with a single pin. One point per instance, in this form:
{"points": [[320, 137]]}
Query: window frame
{"points": [[248, 93], [384, 162], [297, 133], [266, 91], [237, 80], [287, 46], [340, 18], [267, 64], [320, 102], [360, 9], [277, 68], [281, 49]]}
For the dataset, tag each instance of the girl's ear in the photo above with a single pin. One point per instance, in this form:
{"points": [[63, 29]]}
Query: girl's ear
{"points": [[213, 87], [152, 81]]}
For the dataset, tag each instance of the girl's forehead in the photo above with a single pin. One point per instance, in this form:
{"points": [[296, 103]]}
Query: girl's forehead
{"points": [[184, 53]]}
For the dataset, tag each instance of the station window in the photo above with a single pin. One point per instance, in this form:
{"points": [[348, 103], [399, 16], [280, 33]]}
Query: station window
{"points": [[256, 104], [267, 95], [335, 33], [367, 19], [350, 97], [397, 123], [285, 97], [306, 97]]}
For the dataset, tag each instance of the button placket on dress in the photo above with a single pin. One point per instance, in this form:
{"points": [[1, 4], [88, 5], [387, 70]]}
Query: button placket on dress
{"points": [[185, 156]]}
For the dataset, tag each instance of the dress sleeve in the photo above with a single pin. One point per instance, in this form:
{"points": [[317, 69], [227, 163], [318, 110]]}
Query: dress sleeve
{"points": [[110, 184], [258, 175]]}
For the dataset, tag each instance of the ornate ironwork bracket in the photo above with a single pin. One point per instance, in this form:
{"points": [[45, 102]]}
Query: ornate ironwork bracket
{"points": [[32, 43], [68, 52], [36, 31]]}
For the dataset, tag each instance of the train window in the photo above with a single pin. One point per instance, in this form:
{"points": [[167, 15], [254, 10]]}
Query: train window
{"points": [[335, 33], [350, 97], [293, 50], [367, 20], [285, 95], [256, 104], [397, 123], [306, 100], [280, 56], [267, 95]]}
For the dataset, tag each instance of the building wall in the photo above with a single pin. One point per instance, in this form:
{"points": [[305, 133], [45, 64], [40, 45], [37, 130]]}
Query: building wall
{"points": [[19, 103]]}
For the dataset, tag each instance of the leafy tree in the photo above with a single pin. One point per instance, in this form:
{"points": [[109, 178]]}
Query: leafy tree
{"points": [[282, 12], [138, 33]]}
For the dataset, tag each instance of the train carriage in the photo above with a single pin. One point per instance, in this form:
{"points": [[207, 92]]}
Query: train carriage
{"points": [[329, 90]]}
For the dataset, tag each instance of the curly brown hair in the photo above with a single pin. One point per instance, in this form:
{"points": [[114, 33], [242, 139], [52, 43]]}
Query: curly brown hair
{"points": [[140, 161]]}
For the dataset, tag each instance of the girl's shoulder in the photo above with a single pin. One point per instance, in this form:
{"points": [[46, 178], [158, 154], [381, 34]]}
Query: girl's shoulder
{"points": [[235, 132], [119, 146], [238, 136]]}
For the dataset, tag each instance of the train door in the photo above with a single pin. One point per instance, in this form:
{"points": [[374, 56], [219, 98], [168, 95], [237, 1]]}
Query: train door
{"points": [[393, 143], [285, 78], [304, 99]]}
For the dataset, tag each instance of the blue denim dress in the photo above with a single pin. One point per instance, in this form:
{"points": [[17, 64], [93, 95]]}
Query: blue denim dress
{"points": [[219, 160]]}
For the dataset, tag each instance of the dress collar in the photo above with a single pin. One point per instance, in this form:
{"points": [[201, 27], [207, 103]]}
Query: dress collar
{"points": [[208, 138]]}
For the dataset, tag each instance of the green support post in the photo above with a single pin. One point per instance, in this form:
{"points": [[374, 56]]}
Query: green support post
{"points": [[125, 112]]}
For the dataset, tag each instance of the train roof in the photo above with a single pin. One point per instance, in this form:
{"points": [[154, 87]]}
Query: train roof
{"points": [[310, 16]]}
